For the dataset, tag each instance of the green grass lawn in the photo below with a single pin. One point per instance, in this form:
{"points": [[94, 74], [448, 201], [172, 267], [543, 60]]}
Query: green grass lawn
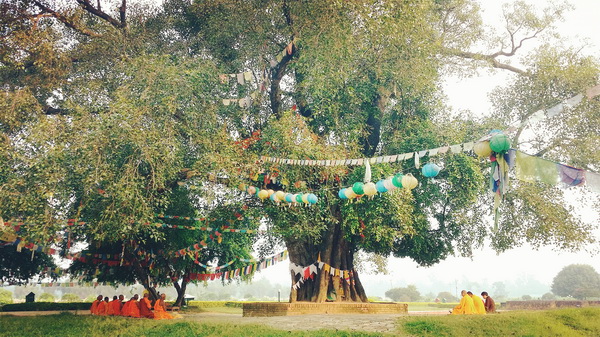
{"points": [[67, 325], [560, 322]]}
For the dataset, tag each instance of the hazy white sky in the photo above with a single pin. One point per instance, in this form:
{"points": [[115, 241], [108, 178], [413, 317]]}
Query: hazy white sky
{"points": [[512, 266]]}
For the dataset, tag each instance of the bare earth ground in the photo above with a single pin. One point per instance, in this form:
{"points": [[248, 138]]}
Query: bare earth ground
{"points": [[350, 322]]}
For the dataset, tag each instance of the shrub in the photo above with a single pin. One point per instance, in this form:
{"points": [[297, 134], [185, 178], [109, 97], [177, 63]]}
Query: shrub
{"points": [[46, 306], [46, 297], [526, 298], [68, 297], [6, 296]]}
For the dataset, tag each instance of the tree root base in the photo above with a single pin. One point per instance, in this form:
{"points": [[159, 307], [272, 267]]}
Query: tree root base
{"points": [[262, 309]]}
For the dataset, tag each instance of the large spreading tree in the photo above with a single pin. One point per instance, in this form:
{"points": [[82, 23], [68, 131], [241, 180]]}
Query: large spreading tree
{"points": [[114, 114]]}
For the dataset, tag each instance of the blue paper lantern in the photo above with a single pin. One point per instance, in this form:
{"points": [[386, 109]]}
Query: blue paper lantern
{"points": [[342, 194], [430, 170], [272, 197], [289, 197], [312, 198], [381, 187]]}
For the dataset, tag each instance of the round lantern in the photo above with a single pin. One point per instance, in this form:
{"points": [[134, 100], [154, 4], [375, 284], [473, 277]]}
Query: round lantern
{"points": [[273, 198], [251, 189], [270, 192], [289, 197], [430, 170], [263, 194], [280, 195], [482, 149], [312, 199], [358, 188], [370, 189], [342, 194], [397, 180], [305, 198], [389, 184], [380, 186], [298, 198], [409, 182], [349, 193], [499, 143]]}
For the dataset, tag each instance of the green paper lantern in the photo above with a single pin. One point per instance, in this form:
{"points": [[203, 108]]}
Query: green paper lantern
{"points": [[499, 143], [358, 188], [397, 180]]}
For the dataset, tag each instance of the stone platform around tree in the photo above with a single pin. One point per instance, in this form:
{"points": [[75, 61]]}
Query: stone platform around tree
{"points": [[258, 309]]}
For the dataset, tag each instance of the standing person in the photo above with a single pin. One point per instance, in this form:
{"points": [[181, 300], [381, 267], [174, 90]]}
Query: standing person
{"points": [[146, 307], [477, 303], [94, 308], [160, 309], [465, 307], [490, 305]]}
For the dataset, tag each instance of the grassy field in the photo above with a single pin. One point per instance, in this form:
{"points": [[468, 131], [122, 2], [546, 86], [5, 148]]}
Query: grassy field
{"points": [[561, 322]]}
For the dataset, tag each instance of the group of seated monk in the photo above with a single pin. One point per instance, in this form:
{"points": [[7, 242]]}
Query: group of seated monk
{"points": [[131, 308], [471, 304]]}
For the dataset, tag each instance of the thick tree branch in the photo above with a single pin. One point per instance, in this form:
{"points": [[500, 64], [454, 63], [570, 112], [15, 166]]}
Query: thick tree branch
{"points": [[67, 21], [88, 7], [490, 58], [276, 76]]}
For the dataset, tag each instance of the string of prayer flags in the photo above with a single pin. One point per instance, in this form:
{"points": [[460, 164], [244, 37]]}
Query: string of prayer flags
{"points": [[242, 271], [532, 169], [310, 271]]}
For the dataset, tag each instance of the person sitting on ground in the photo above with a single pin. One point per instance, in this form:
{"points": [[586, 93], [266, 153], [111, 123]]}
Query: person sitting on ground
{"points": [[160, 309], [131, 308], [465, 307], [102, 307], [490, 305], [110, 309], [146, 307], [478, 303], [94, 308]]}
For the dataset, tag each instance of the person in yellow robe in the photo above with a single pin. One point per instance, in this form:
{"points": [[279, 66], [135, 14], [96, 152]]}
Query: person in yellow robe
{"points": [[160, 309], [465, 307], [94, 308], [478, 303], [102, 307]]}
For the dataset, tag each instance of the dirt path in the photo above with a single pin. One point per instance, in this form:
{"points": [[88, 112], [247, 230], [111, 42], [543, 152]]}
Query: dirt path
{"points": [[350, 322]]}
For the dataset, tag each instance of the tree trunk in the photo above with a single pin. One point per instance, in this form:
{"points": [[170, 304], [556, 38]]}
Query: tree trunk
{"points": [[180, 291], [335, 251]]}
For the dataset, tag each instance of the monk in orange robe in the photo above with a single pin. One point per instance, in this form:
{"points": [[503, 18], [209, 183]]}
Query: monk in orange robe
{"points": [[94, 307], [133, 307], [146, 307], [477, 303], [466, 306], [160, 309], [110, 310], [125, 308], [116, 305], [102, 307]]}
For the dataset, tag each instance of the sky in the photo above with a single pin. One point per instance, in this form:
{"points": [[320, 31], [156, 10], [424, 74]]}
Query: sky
{"points": [[521, 267]]}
